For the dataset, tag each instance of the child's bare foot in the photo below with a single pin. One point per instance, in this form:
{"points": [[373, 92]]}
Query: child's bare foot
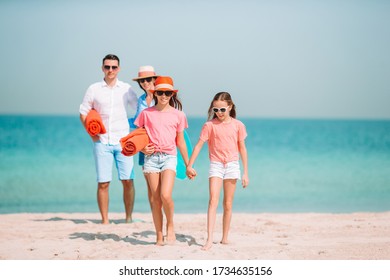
{"points": [[207, 246], [159, 239], [171, 236]]}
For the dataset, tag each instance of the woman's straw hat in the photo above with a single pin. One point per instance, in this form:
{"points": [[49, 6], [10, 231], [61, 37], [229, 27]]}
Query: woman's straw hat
{"points": [[146, 72]]}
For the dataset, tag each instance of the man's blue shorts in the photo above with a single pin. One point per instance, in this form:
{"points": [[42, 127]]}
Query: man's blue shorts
{"points": [[105, 155]]}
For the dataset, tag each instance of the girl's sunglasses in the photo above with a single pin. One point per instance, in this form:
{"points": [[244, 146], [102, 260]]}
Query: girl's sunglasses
{"points": [[167, 93], [222, 110]]}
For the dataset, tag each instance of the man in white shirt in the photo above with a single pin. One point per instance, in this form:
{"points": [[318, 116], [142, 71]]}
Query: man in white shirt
{"points": [[110, 98]]}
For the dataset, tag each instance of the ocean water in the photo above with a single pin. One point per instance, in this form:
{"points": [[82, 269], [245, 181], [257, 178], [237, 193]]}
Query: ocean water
{"points": [[337, 166]]}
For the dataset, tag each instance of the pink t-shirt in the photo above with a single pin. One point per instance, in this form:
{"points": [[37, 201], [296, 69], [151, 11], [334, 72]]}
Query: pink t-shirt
{"points": [[162, 127], [223, 139]]}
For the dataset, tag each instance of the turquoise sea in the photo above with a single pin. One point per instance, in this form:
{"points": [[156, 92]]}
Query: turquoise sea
{"points": [[46, 165]]}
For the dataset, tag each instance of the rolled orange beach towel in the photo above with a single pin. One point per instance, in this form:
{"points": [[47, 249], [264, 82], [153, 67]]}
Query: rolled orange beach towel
{"points": [[94, 124], [134, 142]]}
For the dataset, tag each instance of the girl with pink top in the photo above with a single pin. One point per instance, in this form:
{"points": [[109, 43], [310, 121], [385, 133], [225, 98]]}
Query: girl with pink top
{"points": [[226, 140], [165, 124]]}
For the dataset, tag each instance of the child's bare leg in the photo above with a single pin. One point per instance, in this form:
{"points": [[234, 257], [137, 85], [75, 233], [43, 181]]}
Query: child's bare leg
{"points": [[211, 217], [167, 183], [215, 184], [158, 226], [153, 180], [229, 187]]}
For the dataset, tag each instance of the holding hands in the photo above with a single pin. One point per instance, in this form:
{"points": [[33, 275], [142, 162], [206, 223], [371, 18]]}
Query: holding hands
{"points": [[191, 173]]}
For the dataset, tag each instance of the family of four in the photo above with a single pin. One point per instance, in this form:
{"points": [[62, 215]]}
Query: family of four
{"points": [[159, 111]]}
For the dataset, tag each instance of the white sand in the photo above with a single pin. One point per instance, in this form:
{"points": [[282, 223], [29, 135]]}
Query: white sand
{"points": [[63, 236]]}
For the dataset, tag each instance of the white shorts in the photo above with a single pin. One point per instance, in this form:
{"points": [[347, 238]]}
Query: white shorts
{"points": [[230, 170]]}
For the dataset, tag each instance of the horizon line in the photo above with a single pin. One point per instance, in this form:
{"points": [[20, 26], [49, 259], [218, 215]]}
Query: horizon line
{"points": [[335, 118]]}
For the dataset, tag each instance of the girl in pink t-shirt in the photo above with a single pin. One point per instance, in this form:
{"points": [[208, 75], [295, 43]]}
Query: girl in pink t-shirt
{"points": [[226, 140], [165, 124]]}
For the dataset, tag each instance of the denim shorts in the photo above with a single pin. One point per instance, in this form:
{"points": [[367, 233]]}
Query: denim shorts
{"points": [[105, 155], [230, 170], [159, 162]]}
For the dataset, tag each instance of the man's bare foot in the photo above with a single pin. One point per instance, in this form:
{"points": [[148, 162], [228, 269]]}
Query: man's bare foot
{"points": [[224, 242], [128, 220], [105, 222], [159, 243]]}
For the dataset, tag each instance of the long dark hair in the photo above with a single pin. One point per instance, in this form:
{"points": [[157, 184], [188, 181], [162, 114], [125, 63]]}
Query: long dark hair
{"points": [[222, 96]]}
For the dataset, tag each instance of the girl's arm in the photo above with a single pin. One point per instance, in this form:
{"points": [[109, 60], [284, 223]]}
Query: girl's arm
{"points": [[244, 159], [191, 172], [181, 144], [195, 153]]}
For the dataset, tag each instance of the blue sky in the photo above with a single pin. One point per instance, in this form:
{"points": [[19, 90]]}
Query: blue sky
{"points": [[278, 59]]}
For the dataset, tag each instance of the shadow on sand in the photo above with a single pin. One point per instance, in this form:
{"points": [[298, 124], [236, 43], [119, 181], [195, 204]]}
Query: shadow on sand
{"points": [[134, 238], [86, 221]]}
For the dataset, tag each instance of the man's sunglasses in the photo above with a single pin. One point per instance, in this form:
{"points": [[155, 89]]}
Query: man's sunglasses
{"points": [[167, 93], [108, 67]]}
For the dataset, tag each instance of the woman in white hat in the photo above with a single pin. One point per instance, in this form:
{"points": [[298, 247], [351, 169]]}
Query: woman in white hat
{"points": [[145, 79]]}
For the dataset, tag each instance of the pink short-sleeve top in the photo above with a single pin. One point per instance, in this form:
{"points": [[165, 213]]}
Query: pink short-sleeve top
{"points": [[162, 127], [223, 139]]}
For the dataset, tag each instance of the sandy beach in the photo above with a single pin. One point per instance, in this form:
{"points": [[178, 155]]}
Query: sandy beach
{"points": [[263, 236]]}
